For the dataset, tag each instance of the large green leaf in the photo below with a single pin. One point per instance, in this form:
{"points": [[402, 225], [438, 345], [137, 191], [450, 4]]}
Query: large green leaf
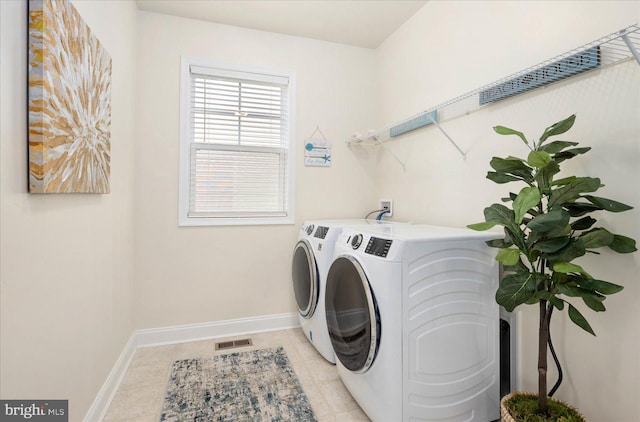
{"points": [[558, 128], [622, 244], [506, 217], [516, 289], [570, 153], [499, 214], [508, 256], [560, 231], [574, 291], [573, 250], [557, 302], [558, 277], [518, 268], [501, 130], [579, 320], [567, 267], [601, 286], [554, 219], [584, 223], [499, 243], [544, 176], [528, 198], [570, 192], [482, 226], [513, 166], [501, 178], [570, 269], [538, 159], [578, 209], [594, 304], [564, 181], [556, 146], [597, 238], [607, 204], [552, 245]]}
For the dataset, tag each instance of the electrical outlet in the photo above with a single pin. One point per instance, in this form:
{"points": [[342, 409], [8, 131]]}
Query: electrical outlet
{"points": [[387, 204]]}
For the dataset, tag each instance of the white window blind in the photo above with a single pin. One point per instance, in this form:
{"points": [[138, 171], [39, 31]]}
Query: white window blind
{"points": [[239, 152]]}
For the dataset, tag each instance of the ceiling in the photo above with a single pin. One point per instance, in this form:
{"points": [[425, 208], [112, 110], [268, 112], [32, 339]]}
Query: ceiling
{"points": [[355, 22]]}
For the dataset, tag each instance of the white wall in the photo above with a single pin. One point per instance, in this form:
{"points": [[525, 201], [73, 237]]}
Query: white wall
{"points": [[198, 274], [66, 261], [449, 48], [72, 276]]}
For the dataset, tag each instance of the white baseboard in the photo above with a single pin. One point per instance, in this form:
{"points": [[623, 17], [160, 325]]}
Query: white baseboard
{"points": [[209, 330], [102, 401], [180, 334]]}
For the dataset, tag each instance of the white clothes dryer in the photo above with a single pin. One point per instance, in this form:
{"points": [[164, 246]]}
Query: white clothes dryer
{"points": [[312, 257], [413, 322]]}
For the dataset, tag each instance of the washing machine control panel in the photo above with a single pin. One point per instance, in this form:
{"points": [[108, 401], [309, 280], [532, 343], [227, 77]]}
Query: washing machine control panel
{"points": [[378, 247]]}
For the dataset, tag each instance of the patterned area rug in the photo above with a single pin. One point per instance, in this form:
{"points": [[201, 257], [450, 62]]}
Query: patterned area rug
{"points": [[258, 385]]}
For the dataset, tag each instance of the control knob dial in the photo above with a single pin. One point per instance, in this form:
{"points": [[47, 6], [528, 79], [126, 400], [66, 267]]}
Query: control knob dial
{"points": [[356, 241]]}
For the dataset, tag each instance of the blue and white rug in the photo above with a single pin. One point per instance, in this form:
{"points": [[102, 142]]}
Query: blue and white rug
{"points": [[258, 385]]}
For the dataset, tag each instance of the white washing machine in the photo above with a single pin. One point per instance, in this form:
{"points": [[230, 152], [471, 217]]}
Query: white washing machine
{"points": [[312, 257], [413, 322]]}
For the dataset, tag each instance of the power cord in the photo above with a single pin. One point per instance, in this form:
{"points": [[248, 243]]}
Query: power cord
{"points": [[374, 211], [384, 211], [555, 357]]}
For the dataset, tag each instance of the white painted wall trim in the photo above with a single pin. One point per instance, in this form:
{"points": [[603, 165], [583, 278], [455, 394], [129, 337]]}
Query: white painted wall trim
{"points": [[181, 334], [107, 392], [209, 330]]}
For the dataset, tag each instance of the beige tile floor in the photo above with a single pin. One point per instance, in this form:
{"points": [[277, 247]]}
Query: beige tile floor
{"points": [[140, 395]]}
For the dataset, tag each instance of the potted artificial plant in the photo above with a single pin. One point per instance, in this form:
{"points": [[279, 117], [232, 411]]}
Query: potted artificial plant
{"points": [[548, 224]]}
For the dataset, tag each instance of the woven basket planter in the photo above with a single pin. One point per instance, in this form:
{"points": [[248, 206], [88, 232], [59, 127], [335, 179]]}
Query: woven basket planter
{"points": [[506, 417]]}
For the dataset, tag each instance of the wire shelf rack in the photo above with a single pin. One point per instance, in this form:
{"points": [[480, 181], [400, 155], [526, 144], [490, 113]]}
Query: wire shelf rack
{"points": [[609, 50]]}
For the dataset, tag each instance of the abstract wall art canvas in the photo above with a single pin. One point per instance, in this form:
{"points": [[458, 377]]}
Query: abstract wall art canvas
{"points": [[69, 97]]}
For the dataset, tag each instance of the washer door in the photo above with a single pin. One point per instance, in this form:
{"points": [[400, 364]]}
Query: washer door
{"points": [[304, 273], [353, 319]]}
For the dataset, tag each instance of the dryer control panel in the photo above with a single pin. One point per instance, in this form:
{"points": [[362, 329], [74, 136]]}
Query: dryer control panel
{"points": [[321, 232], [378, 247]]}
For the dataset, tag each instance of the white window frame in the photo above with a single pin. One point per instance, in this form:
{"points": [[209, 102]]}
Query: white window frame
{"points": [[186, 63]]}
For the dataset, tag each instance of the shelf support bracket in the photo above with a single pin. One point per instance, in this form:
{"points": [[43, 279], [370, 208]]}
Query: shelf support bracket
{"points": [[464, 154], [377, 138], [629, 44]]}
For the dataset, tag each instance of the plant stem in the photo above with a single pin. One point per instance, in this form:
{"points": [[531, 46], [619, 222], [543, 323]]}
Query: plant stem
{"points": [[542, 358]]}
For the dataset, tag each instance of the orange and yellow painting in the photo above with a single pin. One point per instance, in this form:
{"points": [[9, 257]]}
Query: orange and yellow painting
{"points": [[69, 102]]}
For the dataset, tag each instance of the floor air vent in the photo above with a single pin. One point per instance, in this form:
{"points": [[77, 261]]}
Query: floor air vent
{"points": [[233, 344]]}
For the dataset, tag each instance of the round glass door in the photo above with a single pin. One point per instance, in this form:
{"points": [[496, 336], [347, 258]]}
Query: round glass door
{"points": [[352, 314], [304, 273]]}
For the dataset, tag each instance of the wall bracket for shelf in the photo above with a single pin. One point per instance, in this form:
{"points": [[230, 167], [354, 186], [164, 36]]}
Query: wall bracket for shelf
{"points": [[630, 46], [377, 138], [464, 154]]}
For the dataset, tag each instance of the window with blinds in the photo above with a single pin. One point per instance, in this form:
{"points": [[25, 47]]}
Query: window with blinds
{"points": [[237, 133]]}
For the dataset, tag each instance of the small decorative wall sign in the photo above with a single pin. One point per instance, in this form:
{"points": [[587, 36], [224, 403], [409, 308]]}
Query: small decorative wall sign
{"points": [[317, 152], [69, 102]]}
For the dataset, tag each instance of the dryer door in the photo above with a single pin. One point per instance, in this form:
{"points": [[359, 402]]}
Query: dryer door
{"points": [[304, 273], [353, 319]]}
